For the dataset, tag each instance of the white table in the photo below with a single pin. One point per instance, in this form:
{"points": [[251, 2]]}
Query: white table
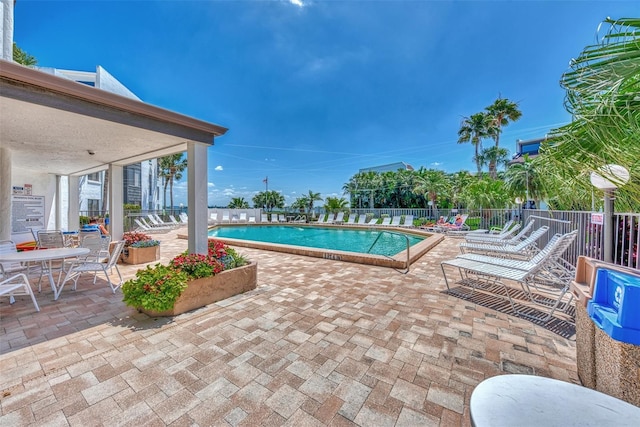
{"points": [[45, 255], [527, 400]]}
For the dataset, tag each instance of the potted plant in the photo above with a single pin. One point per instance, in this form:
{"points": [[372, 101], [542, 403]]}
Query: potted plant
{"points": [[139, 248], [190, 281]]}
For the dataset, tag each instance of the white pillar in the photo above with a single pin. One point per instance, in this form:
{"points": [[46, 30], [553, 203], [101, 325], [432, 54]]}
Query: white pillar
{"points": [[197, 197], [116, 201], [5, 194], [73, 213], [6, 29]]}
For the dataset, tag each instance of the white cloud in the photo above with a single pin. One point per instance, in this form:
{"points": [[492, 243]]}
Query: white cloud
{"points": [[298, 3], [210, 184], [218, 168], [436, 164]]}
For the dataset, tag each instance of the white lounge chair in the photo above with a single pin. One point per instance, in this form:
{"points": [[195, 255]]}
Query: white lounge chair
{"points": [[506, 237], [524, 248], [274, 218], [252, 220], [148, 229], [396, 221], [386, 220], [213, 218], [264, 218], [235, 218], [373, 221], [321, 219], [184, 218], [527, 275], [408, 221], [351, 220], [506, 227], [243, 217], [362, 219], [225, 217], [282, 218], [339, 219], [174, 221]]}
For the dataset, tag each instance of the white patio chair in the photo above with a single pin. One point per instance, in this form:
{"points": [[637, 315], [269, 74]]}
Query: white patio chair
{"points": [[225, 217], [274, 218], [264, 218], [507, 237], [396, 221], [362, 219], [386, 221], [8, 268], [17, 284], [282, 218], [88, 266], [252, 220], [243, 217], [408, 221], [506, 227], [351, 220]]}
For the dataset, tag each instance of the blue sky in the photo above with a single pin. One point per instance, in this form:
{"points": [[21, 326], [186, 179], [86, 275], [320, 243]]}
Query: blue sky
{"points": [[312, 91]]}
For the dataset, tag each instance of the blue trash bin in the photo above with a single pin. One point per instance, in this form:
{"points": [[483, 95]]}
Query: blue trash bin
{"points": [[614, 305]]}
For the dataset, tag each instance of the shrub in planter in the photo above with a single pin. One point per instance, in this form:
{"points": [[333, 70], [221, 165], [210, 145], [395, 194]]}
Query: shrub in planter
{"points": [[135, 239], [156, 288], [139, 248]]}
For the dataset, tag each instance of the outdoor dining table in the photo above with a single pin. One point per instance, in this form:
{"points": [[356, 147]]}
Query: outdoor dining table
{"points": [[47, 256], [529, 400]]}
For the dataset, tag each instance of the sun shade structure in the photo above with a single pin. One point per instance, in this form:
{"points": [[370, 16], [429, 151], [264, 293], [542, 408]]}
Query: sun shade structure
{"points": [[53, 127]]}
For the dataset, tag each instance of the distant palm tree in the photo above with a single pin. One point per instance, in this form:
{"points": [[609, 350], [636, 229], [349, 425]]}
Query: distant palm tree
{"points": [[474, 129], [238, 203], [494, 157], [311, 198], [334, 204], [502, 111], [171, 169], [432, 183]]}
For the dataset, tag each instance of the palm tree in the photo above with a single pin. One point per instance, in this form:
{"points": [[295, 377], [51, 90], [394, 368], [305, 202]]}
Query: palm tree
{"points": [[22, 57], [602, 96], [238, 203], [268, 200], [432, 183], [311, 198], [171, 169], [334, 204], [494, 157], [486, 193], [459, 182], [524, 180], [473, 129], [502, 111]]}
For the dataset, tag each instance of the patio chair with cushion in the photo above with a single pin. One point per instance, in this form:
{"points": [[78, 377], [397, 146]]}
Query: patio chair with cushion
{"points": [[90, 266]]}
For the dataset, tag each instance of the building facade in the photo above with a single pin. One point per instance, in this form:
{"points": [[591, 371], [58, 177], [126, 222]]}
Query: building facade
{"points": [[142, 183]]}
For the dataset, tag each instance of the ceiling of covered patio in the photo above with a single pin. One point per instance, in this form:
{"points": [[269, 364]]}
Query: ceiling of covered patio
{"points": [[53, 124]]}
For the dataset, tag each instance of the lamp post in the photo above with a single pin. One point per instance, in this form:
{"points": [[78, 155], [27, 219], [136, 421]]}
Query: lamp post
{"points": [[608, 178]]}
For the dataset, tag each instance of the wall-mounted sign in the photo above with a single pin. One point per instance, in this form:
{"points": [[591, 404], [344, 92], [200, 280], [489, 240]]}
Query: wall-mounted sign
{"points": [[597, 218], [17, 190], [26, 212]]}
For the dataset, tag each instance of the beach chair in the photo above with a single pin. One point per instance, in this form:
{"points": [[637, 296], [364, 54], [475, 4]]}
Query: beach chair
{"points": [[243, 217], [351, 220], [264, 218], [480, 276], [372, 222], [505, 237], [395, 222], [225, 217], [274, 218], [213, 218], [386, 221], [339, 219], [184, 218], [235, 218], [524, 248], [174, 221], [408, 221], [282, 218], [321, 219], [497, 230], [252, 220]]}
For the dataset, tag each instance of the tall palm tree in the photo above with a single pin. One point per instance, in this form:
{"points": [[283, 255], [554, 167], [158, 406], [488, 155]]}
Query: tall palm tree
{"points": [[474, 129], [311, 198], [334, 204], [433, 183], [524, 180], [171, 169], [502, 111], [494, 157]]}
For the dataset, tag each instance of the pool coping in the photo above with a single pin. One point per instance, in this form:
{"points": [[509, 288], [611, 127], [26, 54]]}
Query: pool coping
{"points": [[398, 261]]}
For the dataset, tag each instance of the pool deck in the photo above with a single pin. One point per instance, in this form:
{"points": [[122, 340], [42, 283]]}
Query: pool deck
{"points": [[319, 342]]}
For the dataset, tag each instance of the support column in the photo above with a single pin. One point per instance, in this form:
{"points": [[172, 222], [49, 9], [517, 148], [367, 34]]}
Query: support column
{"points": [[5, 194], [607, 227], [197, 197], [116, 202], [73, 211]]}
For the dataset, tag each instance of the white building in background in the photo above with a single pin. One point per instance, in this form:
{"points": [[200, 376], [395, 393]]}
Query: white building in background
{"points": [[142, 184]]}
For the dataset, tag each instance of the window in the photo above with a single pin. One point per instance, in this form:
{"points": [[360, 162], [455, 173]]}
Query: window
{"points": [[93, 206], [94, 177]]}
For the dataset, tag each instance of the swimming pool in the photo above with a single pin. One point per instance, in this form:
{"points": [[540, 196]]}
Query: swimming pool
{"points": [[332, 242]]}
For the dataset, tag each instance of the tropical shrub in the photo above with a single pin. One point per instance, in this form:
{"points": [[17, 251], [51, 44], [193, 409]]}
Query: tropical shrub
{"points": [[158, 287], [135, 239]]}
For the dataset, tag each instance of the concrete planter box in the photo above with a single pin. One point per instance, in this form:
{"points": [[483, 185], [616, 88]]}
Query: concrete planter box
{"points": [[140, 255], [205, 291]]}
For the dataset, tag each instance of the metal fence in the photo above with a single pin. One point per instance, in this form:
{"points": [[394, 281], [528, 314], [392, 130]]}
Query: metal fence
{"points": [[589, 242]]}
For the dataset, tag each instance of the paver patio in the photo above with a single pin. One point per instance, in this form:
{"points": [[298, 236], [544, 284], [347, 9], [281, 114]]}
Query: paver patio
{"points": [[318, 342]]}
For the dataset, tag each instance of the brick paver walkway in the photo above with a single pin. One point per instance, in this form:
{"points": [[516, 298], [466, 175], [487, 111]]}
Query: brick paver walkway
{"points": [[317, 343]]}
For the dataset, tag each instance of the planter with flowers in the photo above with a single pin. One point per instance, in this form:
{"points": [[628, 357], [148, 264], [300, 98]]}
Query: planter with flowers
{"points": [[139, 248], [190, 281]]}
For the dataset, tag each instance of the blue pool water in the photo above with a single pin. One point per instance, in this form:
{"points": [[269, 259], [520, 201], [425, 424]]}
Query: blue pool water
{"points": [[342, 239]]}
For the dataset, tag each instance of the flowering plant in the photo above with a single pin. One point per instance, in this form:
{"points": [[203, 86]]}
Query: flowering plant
{"points": [[135, 239], [157, 287]]}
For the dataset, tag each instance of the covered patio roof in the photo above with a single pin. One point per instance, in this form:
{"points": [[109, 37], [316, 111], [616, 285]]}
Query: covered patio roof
{"points": [[52, 124]]}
